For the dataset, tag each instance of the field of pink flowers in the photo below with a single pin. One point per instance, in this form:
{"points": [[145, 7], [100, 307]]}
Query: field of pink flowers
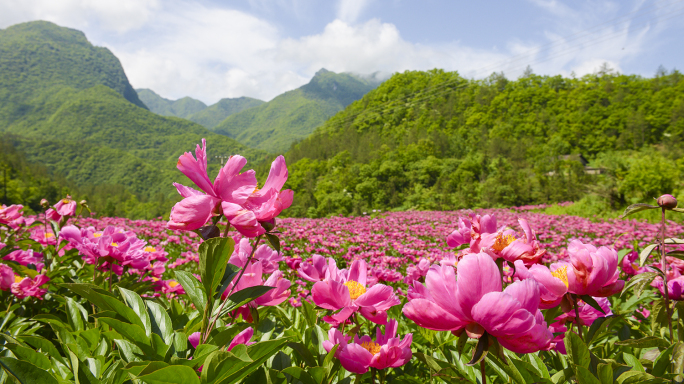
{"points": [[225, 291]]}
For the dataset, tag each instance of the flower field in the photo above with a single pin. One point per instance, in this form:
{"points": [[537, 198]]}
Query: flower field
{"points": [[226, 291]]}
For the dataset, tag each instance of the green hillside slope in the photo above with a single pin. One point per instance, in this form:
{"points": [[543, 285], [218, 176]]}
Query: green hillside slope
{"points": [[85, 129], [180, 108], [275, 125], [433, 140], [216, 113]]}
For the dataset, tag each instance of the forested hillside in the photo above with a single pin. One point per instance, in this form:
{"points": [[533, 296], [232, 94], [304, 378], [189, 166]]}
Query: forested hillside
{"points": [[214, 114], [433, 140], [179, 108], [68, 106], [274, 125]]}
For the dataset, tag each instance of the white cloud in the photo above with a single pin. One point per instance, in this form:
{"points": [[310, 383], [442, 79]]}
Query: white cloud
{"points": [[182, 48], [350, 10], [118, 16]]}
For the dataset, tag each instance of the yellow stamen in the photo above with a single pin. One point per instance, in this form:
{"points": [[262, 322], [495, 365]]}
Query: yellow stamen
{"points": [[66, 201], [635, 266], [355, 289], [115, 245], [173, 284], [49, 235], [371, 347], [18, 279], [150, 249], [502, 242], [97, 234], [562, 275]]}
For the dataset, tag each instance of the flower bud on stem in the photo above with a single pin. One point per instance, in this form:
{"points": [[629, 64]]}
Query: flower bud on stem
{"points": [[663, 264]]}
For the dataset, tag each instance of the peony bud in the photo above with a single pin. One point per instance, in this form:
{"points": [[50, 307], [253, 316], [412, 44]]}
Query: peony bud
{"points": [[667, 202], [84, 203], [268, 225], [44, 203]]}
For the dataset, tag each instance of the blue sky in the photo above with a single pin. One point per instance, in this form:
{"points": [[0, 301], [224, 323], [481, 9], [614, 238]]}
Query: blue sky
{"points": [[261, 48]]}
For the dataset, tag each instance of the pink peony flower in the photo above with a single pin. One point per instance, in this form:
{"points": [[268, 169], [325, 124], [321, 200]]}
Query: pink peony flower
{"points": [[587, 313], [262, 205], [64, 208], [415, 272], [28, 287], [552, 285], [269, 258], [675, 287], [230, 186], [314, 269], [474, 302], [630, 265], [11, 215], [26, 257], [6, 277], [346, 291], [388, 351], [504, 244], [471, 231], [591, 271]]}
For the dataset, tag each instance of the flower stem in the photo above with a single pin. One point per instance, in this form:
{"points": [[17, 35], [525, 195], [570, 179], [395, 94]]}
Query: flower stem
{"points": [[482, 371], [242, 272], [663, 264], [577, 318], [225, 231], [111, 278]]}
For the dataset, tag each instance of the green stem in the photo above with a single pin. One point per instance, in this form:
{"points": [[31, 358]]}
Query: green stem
{"points": [[577, 317], [663, 264], [482, 371], [234, 286]]}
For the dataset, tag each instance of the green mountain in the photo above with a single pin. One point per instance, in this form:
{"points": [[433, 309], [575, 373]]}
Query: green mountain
{"points": [[292, 116], [87, 124], [434, 140], [180, 108], [216, 113]]}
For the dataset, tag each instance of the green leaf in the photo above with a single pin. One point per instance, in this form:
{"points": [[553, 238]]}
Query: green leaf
{"points": [[45, 346], [590, 300], [662, 362], [213, 257], [605, 373], [225, 336], [674, 240], [221, 363], [632, 362], [511, 371], [299, 374], [328, 361], [26, 373], [480, 350], [563, 376], [174, 374], [584, 376], [128, 351], [29, 355], [639, 282], [105, 301], [634, 208], [228, 276], [244, 296], [274, 240], [595, 326], [304, 352], [643, 256], [259, 352], [136, 304], [646, 342], [539, 365], [633, 377], [160, 321], [75, 314], [193, 288], [577, 350], [678, 358]]}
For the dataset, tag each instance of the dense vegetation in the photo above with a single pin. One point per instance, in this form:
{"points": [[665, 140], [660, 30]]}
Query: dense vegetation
{"points": [[179, 108], [434, 140], [274, 125], [216, 113], [65, 104]]}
